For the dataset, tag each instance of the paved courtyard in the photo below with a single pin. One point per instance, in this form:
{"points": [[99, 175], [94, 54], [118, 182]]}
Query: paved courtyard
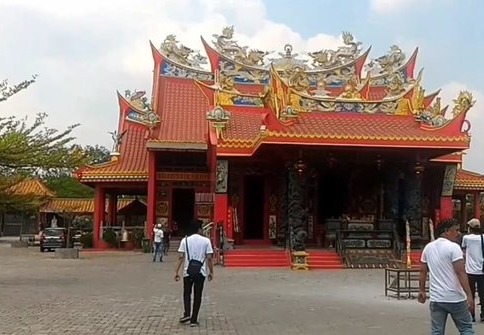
{"points": [[125, 293]]}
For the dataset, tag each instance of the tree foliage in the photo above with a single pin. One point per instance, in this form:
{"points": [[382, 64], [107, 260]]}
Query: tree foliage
{"points": [[31, 149], [96, 154], [28, 150], [65, 186], [6, 90], [34, 149], [68, 187], [27, 203]]}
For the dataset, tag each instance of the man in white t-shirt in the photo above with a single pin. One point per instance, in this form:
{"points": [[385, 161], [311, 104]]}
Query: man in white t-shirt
{"points": [[158, 242], [200, 249], [449, 287], [473, 245]]}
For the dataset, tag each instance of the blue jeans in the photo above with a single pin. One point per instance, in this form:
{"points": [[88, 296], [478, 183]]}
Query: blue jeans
{"points": [[459, 313], [158, 249]]}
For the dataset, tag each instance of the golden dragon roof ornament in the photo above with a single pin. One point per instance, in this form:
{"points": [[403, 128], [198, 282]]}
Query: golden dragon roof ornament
{"points": [[229, 47], [181, 54], [322, 59], [388, 63], [142, 111]]}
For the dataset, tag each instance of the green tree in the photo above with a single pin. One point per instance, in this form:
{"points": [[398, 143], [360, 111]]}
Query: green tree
{"points": [[34, 149], [6, 90], [96, 154], [28, 149], [66, 186]]}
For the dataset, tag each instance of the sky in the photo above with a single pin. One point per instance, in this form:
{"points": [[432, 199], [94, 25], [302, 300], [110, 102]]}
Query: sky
{"points": [[84, 51]]}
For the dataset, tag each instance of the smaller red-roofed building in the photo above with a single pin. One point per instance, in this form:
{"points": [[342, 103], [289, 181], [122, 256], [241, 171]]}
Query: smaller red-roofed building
{"points": [[467, 196], [279, 147], [130, 212], [16, 221]]}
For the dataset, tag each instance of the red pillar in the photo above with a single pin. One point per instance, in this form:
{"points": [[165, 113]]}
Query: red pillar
{"points": [[220, 213], [463, 211], [446, 208], [212, 165], [99, 214], [113, 209], [151, 208], [477, 205]]}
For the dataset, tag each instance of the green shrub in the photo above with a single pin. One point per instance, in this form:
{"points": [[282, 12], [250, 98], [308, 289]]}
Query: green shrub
{"points": [[137, 236], [109, 236], [147, 246], [87, 240]]}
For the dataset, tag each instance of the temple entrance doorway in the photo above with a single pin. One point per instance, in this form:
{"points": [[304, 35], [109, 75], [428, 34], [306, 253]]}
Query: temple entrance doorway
{"points": [[333, 194], [183, 208], [254, 207]]}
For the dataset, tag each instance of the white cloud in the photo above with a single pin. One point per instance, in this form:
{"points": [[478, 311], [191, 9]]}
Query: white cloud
{"points": [[86, 50], [473, 159]]}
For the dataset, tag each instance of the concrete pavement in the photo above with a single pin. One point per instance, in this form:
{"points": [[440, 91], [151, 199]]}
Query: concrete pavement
{"points": [[126, 293]]}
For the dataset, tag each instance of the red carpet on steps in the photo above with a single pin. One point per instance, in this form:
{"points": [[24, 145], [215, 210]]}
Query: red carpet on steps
{"points": [[324, 259], [415, 258], [275, 258], [257, 258]]}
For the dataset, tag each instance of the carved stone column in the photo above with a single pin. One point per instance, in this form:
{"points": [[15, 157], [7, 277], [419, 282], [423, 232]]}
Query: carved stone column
{"points": [[221, 196], [297, 218], [297, 214]]}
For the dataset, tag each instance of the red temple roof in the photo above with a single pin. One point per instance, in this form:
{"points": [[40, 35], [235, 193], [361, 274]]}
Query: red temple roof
{"points": [[469, 181], [182, 108], [132, 164], [243, 132], [455, 157], [31, 187], [260, 106], [79, 205]]}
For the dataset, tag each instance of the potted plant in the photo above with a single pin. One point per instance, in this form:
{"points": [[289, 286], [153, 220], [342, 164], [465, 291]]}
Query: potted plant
{"points": [[136, 237], [86, 240], [110, 237]]}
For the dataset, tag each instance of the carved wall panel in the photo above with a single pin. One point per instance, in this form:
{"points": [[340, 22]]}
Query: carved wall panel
{"points": [[222, 176], [449, 180], [162, 208], [413, 203]]}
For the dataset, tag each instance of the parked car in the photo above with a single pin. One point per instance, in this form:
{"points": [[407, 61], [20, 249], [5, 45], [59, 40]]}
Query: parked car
{"points": [[53, 238]]}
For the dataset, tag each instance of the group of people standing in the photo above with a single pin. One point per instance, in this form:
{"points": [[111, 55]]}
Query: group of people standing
{"points": [[455, 268]]}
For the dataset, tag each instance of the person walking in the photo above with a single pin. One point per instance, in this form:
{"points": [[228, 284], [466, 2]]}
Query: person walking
{"points": [[195, 254], [158, 242], [473, 245], [449, 287]]}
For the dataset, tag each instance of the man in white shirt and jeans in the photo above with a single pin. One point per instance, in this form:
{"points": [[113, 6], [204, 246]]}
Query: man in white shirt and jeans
{"points": [[449, 287], [158, 242], [473, 245], [199, 249]]}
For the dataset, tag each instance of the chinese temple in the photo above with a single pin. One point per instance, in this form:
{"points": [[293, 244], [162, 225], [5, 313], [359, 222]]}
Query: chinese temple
{"points": [[277, 144]]}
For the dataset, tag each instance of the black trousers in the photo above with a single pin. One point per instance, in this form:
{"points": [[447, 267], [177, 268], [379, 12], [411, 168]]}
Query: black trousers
{"points": [[166, 247], [197, 284], [479, 281]]}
